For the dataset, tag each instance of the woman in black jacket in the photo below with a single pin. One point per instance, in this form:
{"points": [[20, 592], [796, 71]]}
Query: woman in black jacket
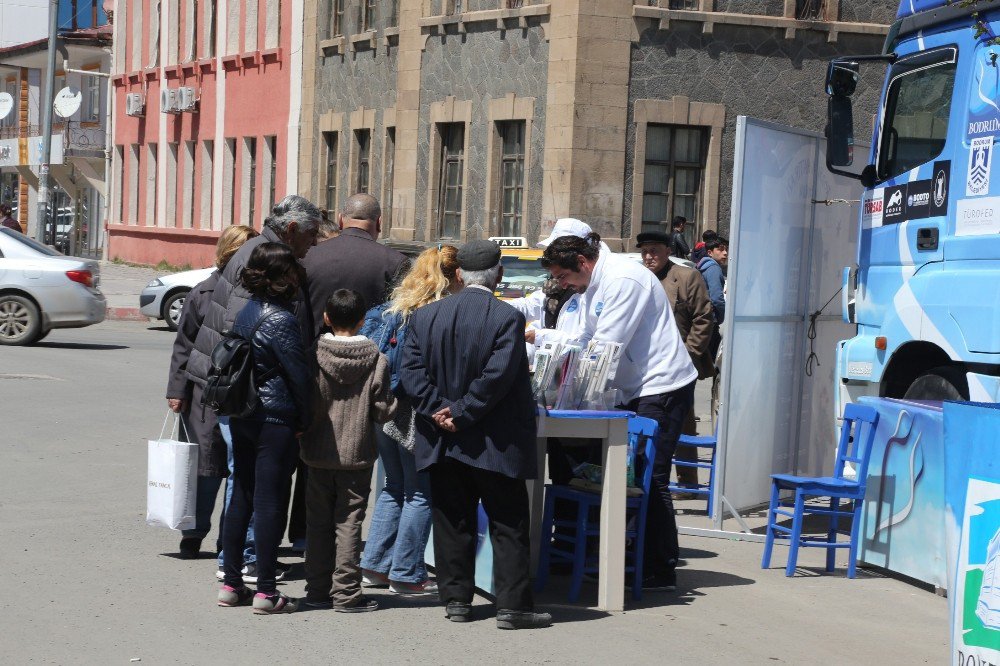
{"points": [[184, 395], [265, 444]]}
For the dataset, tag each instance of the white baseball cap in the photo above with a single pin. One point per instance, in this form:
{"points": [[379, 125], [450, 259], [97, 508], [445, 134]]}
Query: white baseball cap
{"points": [[566, 226]]}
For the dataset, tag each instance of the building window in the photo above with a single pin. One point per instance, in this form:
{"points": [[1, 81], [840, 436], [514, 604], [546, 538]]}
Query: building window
{"points": [[330, 141], [151, 185], [513, 4], [229, 181], [272, 183], [393, 18], [364, 139], [207, 168], [368, 14], [809, 10], [336, 18], [675, 165], [190, 154], [209, 47], [251, 165], [511, 175], [450, 185], [119, 182], [390, 171], [11, 119], [453, 6], [93, 98]]}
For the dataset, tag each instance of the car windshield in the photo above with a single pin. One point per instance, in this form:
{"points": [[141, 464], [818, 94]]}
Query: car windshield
{"points": [[521, 276], [30, 243]]}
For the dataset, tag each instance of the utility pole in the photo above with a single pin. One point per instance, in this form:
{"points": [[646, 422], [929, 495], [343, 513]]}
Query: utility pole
{"points": [[47, 99]]}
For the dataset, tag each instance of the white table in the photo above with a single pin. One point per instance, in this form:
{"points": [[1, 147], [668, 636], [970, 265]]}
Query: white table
{"points": [[612, 429]]}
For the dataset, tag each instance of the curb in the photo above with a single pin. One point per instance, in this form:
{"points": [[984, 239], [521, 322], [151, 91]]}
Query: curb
{"points": [[124, 314]]}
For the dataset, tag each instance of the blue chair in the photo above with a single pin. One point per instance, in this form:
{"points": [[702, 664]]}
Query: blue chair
{"points": [[585, 528], [710, 442], [856, 436]]}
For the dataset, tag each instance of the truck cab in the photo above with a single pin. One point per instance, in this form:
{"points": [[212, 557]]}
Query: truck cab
{"points": [[925, 293]]}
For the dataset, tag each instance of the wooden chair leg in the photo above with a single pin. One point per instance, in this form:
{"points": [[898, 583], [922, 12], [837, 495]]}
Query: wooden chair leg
{"points": [[852, 558], [579, 551], [765, 561], [831, 536], [544, 548], [796, 537]]}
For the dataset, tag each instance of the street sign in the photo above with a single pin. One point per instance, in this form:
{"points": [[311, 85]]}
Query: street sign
{"points": [[67, 102]]}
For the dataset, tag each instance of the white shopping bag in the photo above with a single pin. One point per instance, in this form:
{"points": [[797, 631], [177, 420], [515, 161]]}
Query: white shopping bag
{"points": [[172, 480]]}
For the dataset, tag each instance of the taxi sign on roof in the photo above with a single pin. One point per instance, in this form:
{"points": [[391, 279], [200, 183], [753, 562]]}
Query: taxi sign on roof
{"points": [[510, 241]]}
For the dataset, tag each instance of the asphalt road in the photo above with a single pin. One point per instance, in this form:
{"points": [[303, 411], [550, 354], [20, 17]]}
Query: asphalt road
{"points": [[90, 583]]}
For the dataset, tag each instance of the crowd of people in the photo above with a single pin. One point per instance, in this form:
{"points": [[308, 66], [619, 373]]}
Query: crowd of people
{"points": [[360, 355]]}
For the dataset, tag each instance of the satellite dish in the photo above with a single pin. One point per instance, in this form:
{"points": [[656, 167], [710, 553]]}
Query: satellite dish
{"points": [[68, 101], [6, 104]]}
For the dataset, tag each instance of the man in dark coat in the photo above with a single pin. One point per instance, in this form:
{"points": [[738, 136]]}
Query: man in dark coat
{"points": [[354, 260], [465, 368]]}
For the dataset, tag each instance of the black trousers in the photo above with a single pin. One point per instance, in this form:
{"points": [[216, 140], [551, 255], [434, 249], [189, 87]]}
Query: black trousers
{"points": [[669, 411], [457, 489]]}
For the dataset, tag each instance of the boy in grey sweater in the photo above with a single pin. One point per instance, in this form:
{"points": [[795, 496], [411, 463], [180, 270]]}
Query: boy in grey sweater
{"points": [[352, 392]]}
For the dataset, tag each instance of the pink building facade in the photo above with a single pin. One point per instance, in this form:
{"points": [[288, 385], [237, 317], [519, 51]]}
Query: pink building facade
{"points": [[205, 122]]}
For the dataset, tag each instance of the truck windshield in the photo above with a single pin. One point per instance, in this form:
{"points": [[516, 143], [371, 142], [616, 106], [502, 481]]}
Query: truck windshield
{"points": [[917, 107]]}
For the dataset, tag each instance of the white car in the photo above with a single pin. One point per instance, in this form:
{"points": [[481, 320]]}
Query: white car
{"points": [[163, 298], [40, 289]]}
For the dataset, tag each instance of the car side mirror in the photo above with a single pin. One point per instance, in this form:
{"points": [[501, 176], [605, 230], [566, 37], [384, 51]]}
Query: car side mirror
{"points": [[839, 132]]}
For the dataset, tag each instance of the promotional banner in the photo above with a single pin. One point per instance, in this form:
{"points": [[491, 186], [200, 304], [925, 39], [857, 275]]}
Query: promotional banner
{"points": [[972, 484]]}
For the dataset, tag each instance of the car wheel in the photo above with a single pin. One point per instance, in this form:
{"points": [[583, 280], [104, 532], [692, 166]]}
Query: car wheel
{"points": [[20, 321], [942, 383], [172, 308]]}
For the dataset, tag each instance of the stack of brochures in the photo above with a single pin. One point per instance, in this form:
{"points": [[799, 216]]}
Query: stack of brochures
{"points": [[569, 376]]}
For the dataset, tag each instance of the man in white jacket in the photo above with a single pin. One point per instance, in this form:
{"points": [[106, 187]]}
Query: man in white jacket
{"points": [[622, 301]]}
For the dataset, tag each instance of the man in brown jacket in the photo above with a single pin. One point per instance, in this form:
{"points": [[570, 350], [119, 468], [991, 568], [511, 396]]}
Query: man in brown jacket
{"points": [[692, 307]]}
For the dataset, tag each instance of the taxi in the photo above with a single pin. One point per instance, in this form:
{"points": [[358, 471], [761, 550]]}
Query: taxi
{"points": [[522, 267]]}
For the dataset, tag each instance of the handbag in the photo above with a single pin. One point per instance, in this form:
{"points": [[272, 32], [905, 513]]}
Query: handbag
{"points": [[172, 479]]}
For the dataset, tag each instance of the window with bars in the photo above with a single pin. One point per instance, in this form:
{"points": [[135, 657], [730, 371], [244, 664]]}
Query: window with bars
{"points": [[675, 167], [450, 184], [330, 141], [808, 10], [272, 150], [368, 8], [336, 18], [364, 139], [390, 171], [251, 147], [514, 4], [511, 176], [682, 4]]}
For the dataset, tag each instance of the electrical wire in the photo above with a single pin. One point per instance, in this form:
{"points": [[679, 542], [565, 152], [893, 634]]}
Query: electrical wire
{"points": [[813, 360]]}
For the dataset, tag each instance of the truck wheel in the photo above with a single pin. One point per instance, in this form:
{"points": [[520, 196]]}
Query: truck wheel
{"points": [[172, 308], [20, 321], [941, 383]]}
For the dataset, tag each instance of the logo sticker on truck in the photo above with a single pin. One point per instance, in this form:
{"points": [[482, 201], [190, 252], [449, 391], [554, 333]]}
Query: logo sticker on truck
{"points": [[918, 199], [977, 182], [872, 205]]}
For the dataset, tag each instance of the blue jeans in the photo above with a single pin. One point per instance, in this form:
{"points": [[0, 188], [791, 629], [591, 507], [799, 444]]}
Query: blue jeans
{"points": [[208, 489], [249, 549], [401, 522]]}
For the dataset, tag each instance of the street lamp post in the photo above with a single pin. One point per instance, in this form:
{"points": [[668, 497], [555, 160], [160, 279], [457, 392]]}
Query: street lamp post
{"points": [[50, 83]]}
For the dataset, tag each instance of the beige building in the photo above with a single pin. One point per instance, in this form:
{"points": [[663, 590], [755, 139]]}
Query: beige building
{"points": [[480, 118]]}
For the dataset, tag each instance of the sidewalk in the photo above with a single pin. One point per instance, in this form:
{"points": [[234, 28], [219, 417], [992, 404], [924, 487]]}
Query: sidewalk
{"points": [[121, 285]]}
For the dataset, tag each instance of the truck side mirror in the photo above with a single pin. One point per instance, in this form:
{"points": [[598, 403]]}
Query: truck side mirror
{"points": [[839, 132]]}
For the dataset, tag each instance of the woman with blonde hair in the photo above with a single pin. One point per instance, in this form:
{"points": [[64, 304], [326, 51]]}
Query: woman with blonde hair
{"points": [[401, 522], [184, 395]]}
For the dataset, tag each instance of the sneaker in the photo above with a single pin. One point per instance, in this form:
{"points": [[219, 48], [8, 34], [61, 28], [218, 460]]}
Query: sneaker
{"points": [[362, 604], [272, 604], [414, 589], [190, 548], [235, 596], [372, 578], [510, 619], [318, 604], [250, 574], [663, 582], [457, 611]]}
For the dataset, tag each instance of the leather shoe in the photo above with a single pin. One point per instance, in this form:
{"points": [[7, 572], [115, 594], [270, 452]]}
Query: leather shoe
{"points": [[512, 619], [457, 611]]}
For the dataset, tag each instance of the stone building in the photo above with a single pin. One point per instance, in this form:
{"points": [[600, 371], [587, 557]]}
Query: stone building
{"points": [[480, 118]]}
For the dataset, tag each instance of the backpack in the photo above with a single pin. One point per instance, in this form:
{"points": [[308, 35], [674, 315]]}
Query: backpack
{"points": [[231, 389], [388, 332]]}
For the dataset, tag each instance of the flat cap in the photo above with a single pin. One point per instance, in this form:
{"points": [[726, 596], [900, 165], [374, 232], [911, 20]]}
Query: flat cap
{"points": [[478, 255], [652, 237]]}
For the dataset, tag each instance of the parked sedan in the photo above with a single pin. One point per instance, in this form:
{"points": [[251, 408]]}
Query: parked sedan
{"points": [[163, 298], [40, 289]]}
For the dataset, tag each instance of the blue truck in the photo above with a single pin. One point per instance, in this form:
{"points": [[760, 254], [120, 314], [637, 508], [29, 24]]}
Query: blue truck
{"points": [[925, 294]]}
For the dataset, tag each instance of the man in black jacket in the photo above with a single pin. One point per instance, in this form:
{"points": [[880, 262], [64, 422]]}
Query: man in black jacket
{"points": [[354, 260], [465, 368]]}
